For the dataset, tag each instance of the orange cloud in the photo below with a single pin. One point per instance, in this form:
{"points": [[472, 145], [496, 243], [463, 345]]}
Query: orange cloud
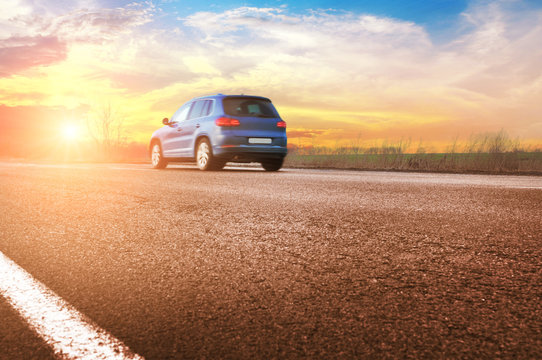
{"points": [[20, 53], [300, 133]]}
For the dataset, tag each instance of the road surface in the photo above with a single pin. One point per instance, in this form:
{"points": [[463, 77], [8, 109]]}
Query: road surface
{"points": [[296, 264]]}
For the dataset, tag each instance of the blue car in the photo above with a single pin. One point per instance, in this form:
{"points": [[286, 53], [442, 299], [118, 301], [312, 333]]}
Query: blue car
{"points": [[213, 130]]}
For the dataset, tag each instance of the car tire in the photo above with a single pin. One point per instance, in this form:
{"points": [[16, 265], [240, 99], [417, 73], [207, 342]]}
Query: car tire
{"points": [[272, 165], [157, 157], [204, 157]]}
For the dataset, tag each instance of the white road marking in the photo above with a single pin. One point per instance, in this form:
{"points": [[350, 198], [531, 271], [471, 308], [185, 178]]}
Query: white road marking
{"points": [[67, 331]]}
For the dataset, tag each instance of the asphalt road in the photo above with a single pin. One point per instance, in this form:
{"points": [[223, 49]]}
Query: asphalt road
{"points": [[296, 264]]}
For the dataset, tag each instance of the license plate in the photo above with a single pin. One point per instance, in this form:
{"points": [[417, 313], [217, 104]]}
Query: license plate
{"points": [[259, 140]]}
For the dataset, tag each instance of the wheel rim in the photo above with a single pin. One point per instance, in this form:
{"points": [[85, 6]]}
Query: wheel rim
{"points": [[203, 155], [155, 155]]}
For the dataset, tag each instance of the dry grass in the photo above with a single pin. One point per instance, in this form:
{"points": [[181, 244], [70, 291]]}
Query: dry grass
{"points": [[505, 163], [485, 153]]}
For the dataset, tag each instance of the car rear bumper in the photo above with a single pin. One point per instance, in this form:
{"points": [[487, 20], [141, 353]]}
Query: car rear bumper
{"points": [[249, 152]]}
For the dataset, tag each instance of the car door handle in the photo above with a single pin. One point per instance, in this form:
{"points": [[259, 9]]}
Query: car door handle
{"points": [[197, 125], [179, 129]]}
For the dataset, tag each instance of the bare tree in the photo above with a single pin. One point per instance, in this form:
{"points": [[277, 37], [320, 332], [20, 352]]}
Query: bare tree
{"points": [[106, 129]]}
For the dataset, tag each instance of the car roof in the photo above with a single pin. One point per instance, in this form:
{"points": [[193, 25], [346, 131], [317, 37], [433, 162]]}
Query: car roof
{"points": [[222, 96]]}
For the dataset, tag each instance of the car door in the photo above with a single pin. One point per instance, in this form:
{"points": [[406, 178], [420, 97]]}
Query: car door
{"points": [[189, 127], [171, 145]]}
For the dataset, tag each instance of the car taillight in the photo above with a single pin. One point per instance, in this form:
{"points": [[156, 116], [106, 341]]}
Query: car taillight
{"points": [[225, 121], [281, 124]]}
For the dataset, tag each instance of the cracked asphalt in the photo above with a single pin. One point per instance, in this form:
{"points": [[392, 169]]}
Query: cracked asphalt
{"points": [[243, 264]]}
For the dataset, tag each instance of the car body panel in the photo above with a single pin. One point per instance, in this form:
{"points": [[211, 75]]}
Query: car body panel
{"points": [[194, 120]]}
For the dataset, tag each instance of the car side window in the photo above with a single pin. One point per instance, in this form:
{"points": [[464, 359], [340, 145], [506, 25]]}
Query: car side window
{"points": [[197, 110], [181, 114], [208, 107]]}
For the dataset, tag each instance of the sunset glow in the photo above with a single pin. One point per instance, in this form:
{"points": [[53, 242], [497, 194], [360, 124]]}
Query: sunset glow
{"points": [[368, 72], [70, 132]]}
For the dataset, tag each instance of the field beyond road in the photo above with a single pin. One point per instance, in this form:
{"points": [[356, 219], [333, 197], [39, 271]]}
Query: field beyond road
{"points": [[510, 163], [246, 264]]}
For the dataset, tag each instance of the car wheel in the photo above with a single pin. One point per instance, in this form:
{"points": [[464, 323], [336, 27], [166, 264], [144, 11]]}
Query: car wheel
{"points": [[205, 158], [272, 165], [157, 158]]}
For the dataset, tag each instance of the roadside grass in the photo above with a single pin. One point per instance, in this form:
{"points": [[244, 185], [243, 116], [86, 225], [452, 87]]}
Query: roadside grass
{"points": [[498, 163], [494, 153]]}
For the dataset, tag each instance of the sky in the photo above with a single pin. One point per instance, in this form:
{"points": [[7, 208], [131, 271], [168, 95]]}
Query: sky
{"points": [[337, 71]]}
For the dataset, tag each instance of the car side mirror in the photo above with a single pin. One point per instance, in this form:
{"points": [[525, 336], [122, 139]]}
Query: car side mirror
{"points": [[165, 121]]}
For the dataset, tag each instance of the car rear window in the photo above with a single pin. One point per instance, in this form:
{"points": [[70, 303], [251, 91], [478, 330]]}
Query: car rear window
{"points": [[242, 106]]}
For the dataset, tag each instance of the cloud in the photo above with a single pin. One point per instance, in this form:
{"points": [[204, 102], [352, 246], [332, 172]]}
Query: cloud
{"points": [[38, 35], [75, 20], [270, 31], [303, 133], [499, 52], [93, 25], [320, 47], [19, 53]]}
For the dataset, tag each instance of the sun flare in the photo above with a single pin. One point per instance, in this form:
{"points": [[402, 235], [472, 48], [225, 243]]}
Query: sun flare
{"points": [[70, 132]]}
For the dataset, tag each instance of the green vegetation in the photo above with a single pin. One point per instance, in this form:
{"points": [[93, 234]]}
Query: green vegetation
{"points": [[485, 153]]}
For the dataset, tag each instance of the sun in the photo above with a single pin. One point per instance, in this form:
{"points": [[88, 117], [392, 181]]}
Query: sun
{"points": [[70, 132]]}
